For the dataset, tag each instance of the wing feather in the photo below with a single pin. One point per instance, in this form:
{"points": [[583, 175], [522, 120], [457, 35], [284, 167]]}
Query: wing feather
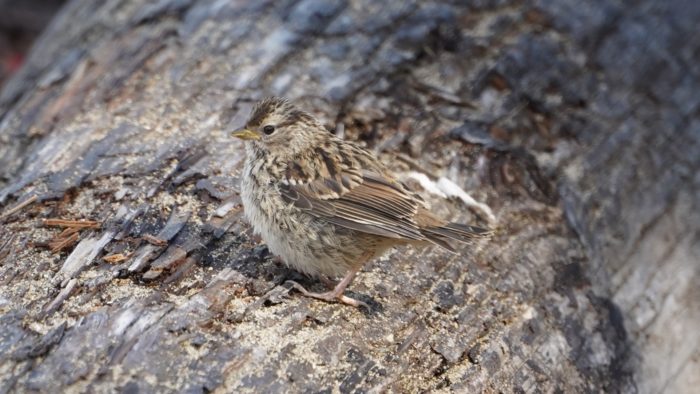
{"points": [[370, 201], [360, 200]]}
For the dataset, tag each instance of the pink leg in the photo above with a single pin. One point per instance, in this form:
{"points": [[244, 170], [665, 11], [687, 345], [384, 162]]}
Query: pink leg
{"points": [[336, 294]]}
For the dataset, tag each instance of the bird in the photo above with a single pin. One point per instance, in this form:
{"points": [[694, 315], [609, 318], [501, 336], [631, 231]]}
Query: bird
{"points": [[326, 206]]}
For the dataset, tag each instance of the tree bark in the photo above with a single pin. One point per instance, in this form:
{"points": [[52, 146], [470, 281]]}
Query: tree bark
{"points": [[576, 123]]}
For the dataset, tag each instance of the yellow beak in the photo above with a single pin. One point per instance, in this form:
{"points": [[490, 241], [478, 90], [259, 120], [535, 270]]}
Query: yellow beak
{"points": [[246, 134]]}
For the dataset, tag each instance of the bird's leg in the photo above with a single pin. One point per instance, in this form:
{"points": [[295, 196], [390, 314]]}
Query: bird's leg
{"points": [[337, 293]]}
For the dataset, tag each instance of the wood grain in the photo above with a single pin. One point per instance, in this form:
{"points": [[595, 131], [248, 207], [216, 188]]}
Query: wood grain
{"points": [[574, 122]]}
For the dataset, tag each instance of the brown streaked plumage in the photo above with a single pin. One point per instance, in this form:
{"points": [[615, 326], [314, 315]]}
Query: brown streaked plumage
{"points": [[327, 206]]}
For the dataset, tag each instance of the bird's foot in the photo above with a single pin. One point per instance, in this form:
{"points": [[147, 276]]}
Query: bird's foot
{"points": [[335, 295]]}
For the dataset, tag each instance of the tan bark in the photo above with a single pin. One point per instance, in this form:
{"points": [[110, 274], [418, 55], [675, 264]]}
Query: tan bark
{"points": [[120, 117]]}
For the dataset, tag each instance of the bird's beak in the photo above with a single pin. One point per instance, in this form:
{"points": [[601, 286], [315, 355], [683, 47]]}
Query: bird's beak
{"points": [[246, 134]]}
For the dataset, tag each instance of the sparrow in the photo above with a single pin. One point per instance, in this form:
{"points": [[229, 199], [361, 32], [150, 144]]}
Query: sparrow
{"points": [[327, 206]]}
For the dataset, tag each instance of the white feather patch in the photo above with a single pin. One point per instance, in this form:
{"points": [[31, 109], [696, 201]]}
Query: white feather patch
{"points": [[445, 188]]}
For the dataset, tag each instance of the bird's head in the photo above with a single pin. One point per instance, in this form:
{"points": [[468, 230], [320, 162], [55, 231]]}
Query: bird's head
{"points": [[275, 125]]}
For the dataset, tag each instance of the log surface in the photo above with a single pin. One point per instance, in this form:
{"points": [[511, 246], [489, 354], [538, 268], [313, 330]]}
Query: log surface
{"points": [[575, 122]]}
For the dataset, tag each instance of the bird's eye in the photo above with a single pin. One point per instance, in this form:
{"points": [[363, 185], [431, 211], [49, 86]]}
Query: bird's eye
{"points": [[269, 129]]}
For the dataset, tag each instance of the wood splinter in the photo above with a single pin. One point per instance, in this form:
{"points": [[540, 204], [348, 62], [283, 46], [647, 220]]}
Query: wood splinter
{"points": [[80, 224], [153, 240], [69, 236], [59, 243]]}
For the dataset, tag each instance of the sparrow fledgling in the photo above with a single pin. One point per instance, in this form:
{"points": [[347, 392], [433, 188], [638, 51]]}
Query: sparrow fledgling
{"points": [[327, 206]]}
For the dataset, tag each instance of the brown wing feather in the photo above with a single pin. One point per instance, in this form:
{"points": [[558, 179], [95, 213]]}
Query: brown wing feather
{"points": [[371, 204], [342, 193], [347, 188]]}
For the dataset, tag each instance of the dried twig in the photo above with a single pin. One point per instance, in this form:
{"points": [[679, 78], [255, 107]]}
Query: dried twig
{"points": [[72, 223], [59, 244], [67, 232], [18, 207], [69, 236]]}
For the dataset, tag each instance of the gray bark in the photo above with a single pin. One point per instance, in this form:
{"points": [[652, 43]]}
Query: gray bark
{"points": [[576, 122]]}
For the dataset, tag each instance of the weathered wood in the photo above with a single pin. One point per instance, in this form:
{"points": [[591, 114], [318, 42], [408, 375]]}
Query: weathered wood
{"points": [[573, 122]]}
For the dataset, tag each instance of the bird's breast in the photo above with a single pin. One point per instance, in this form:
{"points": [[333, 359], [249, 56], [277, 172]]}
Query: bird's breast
{"points": [[311, 245]]}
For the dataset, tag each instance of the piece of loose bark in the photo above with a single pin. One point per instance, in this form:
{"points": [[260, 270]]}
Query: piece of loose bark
{"points": [[116, 258]]}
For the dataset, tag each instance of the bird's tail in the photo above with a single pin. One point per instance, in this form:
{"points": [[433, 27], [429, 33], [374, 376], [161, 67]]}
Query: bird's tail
{"points": [[443, 235]]}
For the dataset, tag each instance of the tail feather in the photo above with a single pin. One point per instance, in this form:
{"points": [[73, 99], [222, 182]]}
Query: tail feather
{"points": [[454, 232], [468, 231], [440, 241]]}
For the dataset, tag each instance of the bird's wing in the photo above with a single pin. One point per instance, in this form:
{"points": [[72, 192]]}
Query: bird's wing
{"points": [[362, 200]]}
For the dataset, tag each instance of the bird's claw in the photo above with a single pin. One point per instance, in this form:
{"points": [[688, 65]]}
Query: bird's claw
{"points": [[335, 295]]}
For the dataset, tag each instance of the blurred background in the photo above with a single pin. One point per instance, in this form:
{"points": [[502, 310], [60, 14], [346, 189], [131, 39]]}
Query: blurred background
{"points": [[21, 22]]}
